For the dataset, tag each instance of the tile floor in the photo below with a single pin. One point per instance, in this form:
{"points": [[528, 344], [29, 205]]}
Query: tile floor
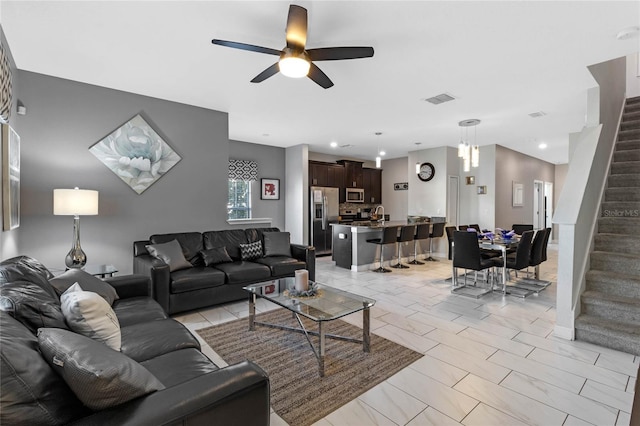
{"points": [[488, 361]]}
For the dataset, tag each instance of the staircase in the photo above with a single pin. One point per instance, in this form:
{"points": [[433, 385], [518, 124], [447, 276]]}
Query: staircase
{"points": [[611, 302]]}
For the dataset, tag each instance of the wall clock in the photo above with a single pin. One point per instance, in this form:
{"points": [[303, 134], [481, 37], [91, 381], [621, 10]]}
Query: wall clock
{"points": [[427, 171]]}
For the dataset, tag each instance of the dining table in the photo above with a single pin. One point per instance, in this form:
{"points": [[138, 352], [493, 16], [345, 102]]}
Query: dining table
{"points": [[502, 244]]}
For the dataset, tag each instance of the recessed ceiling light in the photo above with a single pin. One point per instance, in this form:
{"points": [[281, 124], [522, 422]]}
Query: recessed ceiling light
{"points": [[265, 134], [542, 145], [628, 33], [383, 153], [334, 144]]}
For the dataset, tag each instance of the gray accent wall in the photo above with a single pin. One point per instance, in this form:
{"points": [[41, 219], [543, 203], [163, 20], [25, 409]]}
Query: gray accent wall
{"points": [[395, 203], [9, 239], [271, 165], [514, 166], [65, 118]]}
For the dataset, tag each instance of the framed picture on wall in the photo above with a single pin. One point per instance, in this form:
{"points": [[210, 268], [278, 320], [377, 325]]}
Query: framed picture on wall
{"points": [[518, 194], [10, 178], [269, 189]]}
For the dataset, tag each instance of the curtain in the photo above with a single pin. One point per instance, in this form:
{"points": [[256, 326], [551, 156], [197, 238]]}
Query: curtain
{"points": [[243, 170]]}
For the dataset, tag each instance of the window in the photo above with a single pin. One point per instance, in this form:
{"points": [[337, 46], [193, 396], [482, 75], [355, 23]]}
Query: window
{"points": [[239, 203]]}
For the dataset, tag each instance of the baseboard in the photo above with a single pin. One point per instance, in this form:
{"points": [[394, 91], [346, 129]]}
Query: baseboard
{"points": [[564, 332]]}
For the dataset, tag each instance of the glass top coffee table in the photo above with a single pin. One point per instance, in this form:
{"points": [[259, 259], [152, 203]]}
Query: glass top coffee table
{"points": [[328, 305]]}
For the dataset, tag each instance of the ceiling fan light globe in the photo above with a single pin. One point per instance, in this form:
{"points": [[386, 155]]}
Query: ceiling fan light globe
{"points": [[294, 67]]}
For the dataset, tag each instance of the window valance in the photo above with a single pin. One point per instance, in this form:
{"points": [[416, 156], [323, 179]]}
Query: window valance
{"points": [[243, 170]]}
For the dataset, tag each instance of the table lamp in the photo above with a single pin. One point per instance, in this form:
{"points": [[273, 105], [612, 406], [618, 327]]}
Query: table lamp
{"points": [[75, 202]]}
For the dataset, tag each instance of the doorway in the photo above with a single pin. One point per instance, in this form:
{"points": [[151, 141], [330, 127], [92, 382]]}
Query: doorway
{"points": [[539, 213], [453, 200]]}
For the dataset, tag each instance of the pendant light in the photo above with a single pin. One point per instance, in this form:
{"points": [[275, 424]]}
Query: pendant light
{"points": [[470, 154], [418, 159], [379, 153]]}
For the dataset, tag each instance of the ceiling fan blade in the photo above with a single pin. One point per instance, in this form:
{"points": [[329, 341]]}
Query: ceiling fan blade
{"points": [[297, 27], [337, 53], [249, 47], [319, 77], [272, 70]]}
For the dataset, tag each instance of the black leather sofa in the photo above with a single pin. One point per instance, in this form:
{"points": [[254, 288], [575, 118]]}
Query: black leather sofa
{"points": [[192, 389], [200, 285]]}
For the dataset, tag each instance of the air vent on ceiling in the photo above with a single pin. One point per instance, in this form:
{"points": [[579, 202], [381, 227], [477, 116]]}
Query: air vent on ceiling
{"points": [[537, 114], [347, 145], [437, 100]]}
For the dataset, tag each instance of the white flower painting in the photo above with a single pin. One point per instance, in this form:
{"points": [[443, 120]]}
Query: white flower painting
{"points": [[136, 154]]}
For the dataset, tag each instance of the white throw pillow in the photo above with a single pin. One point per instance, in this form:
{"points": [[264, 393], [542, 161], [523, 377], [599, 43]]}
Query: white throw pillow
{"points": [[87, 313]]}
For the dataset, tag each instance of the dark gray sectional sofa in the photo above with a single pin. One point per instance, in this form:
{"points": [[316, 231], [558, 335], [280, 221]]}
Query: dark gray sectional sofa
{"points": [[78, 382], [200, 285]]}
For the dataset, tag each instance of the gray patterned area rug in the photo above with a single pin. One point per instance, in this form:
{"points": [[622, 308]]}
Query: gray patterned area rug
{"points": [[298, 394]]}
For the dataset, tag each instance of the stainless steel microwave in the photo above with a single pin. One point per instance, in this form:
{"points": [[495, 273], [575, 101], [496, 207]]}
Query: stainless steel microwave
{"points": [[355, 195]]}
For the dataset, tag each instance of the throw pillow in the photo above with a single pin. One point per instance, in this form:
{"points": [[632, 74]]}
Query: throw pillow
{"points": [[99, 376], [215, 255], [277, 244], [88, 283], [251, 251], [171, 254], [89, 314]]}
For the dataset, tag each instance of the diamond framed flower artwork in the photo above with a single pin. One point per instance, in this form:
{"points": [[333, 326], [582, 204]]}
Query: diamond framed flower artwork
{"points": [[136, 154]]}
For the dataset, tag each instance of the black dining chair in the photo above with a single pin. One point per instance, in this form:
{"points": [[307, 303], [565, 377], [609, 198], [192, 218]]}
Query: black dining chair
{"points": [[537, 249], [466, 255], [519, 228], [437, 231], [449, 231], [407, 233], [422, 233], [520, 259], [546, 243], [389, 236], [463, 227], [474, 226]]}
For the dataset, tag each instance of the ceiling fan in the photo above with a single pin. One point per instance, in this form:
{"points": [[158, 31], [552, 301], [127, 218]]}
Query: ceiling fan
{"points": [[295, 60]]}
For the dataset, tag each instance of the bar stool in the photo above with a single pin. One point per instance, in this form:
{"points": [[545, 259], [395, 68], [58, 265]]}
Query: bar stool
{"points": [[389, 236], [407, 233], [422, 233], [437, 231]]}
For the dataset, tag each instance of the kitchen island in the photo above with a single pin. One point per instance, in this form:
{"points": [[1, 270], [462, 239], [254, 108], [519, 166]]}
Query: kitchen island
{"points": [[351, 249]]}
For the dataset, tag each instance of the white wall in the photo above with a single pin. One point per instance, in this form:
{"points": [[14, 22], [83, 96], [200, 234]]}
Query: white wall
{"points": [[633, 75], [428, 198], [297, 190], [475, 208], [395, 202]]}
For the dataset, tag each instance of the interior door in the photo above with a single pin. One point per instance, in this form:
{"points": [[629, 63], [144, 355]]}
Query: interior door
{"points": [[453, 198], [538, 204]]}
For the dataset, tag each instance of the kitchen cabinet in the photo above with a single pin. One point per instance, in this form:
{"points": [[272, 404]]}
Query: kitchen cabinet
{"points": [[335, 178], [318, 174], [353, 176], [372, 184]]}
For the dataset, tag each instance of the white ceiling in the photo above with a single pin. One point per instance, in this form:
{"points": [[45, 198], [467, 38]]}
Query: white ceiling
{"points": [[500, 60]]}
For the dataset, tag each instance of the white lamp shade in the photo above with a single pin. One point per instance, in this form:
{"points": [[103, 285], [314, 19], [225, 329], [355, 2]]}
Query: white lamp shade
{"points": [[294, 67], [81, 202]]}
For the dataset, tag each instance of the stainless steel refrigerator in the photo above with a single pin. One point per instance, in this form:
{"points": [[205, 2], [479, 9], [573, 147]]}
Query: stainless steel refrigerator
{"points": [[324, 211]]}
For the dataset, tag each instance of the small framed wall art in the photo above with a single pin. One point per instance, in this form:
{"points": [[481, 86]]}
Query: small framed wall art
{"points": [[10, 178], [471, 180], [269, 189], [482, 190]]}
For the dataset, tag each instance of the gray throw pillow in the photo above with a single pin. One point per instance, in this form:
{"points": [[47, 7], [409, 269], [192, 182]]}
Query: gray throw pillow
{"points": [[277, 244], [99, 376], [251, 251], [90, 315], [88, 283], [215, 255], [171, 254]]}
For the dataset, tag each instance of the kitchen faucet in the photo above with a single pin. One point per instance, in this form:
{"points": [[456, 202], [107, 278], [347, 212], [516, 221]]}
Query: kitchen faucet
{"points": [[375, 212]]}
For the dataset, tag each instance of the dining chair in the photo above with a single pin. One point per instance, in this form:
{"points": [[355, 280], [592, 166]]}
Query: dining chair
{"points": [[422, 233], [449, 231], [466, 255], [474, 226], [518, 260], [407, 233], [519, 228], [389, 236], [463, 227], [437, 231], [538, 248]]}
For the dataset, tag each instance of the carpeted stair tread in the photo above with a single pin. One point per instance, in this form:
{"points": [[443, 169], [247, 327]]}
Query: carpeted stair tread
{"points": [[623, 262], [624, 180], [618, 225], [608, 333], [625, 167], [631, 107], [627, 145], [628, 135], [614, 283], [613, 307], [622, 194], [630, 124], [616, 243], [620, 209], [633, 100], [628, 155], [631, 114]]}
